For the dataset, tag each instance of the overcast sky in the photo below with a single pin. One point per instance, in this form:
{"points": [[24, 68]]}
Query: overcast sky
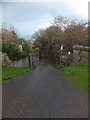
{"points": [[28, 17]]}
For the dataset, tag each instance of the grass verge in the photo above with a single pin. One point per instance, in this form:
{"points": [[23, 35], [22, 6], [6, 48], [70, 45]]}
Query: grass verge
{"points": [[77, 74], [9, 74]]}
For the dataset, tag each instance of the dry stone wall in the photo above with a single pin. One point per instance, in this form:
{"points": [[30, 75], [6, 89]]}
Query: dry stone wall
{"points": [[8, 63], [81, 54]]}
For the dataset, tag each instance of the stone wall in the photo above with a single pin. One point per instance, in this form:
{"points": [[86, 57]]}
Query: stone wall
{"points": [[8, 63], [80, 54]]}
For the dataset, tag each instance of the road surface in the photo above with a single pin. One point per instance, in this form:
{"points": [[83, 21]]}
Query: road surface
{"points": [[43, 93]]}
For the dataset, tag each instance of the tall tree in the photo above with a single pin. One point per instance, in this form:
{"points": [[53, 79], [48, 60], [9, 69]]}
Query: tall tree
{"points": [[62, 31]]}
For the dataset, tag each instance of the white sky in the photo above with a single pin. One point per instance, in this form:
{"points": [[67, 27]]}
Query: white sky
{"points": [[28, 17]]}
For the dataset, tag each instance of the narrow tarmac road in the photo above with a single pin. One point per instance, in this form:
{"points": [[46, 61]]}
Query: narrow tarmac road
{"points": [[43, 93]]}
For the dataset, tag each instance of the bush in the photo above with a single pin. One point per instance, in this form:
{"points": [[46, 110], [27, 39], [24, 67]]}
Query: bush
{"points": [[36, 50], [12, 52]]}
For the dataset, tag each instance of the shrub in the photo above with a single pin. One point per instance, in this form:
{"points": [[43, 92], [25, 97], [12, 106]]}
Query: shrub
{"points": [[36, 50], [12, 52]]}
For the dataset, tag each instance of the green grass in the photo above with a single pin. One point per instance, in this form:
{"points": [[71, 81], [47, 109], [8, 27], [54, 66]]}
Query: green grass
{"points": [[77, 74], [9, 74]]}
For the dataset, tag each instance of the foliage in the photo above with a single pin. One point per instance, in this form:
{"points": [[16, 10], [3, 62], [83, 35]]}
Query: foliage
{"points": [[75, 34], [61, 67], [10, 36], [11, 42], [26, 48], [88, 30], [62, 31], [12, 52], [36, 50]]}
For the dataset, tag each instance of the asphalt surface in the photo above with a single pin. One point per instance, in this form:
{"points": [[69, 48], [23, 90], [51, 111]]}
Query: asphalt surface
{"points": [[43, 93]]}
